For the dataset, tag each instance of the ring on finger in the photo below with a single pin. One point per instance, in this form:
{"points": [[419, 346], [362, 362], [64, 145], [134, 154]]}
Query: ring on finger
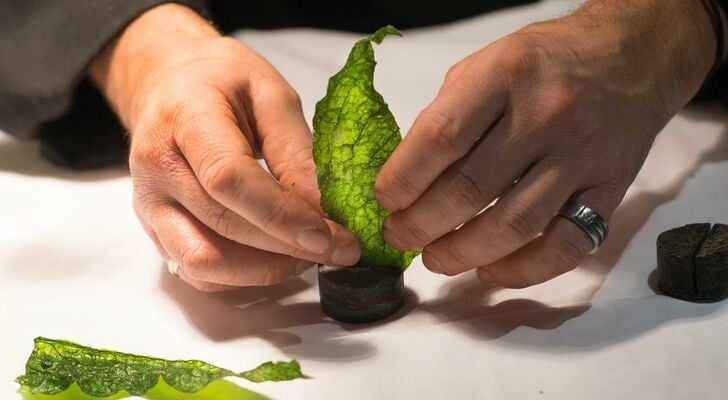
{"points": [[589, 221], [173, 267]]}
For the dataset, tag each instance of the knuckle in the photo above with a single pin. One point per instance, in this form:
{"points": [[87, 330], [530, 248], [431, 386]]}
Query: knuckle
{"points": [[396, 181], [142, 156], [197, 261], [457, 259], [443, 134], [465, 195], [218, 176], [170, 113], [606, 193], [299, 163], [289, 96], [519, 222], [517, 58], [455, 70], [147, 156], [225, 45], [563, 104], [273, 215], [223, 221], [410, 234]]}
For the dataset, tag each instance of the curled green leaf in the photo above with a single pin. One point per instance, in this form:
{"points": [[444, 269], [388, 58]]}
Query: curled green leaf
{"points": [[354, 134], [54, 365]]}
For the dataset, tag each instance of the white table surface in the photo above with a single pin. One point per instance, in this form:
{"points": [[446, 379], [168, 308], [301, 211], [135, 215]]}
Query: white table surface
{"points": [[75, 264]]}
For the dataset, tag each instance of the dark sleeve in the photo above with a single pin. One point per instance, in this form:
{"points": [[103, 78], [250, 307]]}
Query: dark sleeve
{"points": [[45, 47], [715, 88]]}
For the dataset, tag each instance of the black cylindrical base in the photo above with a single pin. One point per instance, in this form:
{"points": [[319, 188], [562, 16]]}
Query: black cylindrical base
{"points": [[360, 294]]}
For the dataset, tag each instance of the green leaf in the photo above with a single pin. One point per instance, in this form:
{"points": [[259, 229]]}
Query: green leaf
{"points": [[274, 371], [354, 134], [54, 365], [220, 389]]}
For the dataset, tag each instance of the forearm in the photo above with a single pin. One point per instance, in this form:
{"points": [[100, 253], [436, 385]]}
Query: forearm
{"points": [[127, 64]]}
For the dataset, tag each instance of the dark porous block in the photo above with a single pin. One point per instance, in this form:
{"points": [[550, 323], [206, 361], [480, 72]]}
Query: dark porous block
{"points": [[360, 294], [711, 265], [676, 251], [692, 262]]}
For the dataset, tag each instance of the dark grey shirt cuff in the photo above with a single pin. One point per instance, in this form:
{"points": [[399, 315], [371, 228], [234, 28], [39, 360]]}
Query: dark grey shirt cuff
{"points": [[45, 47]]}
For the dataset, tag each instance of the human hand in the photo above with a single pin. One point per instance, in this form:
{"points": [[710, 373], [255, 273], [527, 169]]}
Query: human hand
{"points": [[559, 111], [199, 108]]}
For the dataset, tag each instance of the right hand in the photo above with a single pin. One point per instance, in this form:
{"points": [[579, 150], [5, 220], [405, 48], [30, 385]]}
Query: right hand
{"points": [[200, 108]]}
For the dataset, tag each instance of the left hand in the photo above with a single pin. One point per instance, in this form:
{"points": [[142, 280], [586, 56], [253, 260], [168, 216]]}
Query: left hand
{"points": [[559, 111]]}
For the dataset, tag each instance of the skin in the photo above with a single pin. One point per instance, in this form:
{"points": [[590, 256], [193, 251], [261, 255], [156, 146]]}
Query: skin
{"points": [[566, 109], [200, 108]]}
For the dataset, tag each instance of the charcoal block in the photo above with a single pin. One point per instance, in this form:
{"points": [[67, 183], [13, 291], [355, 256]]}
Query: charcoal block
{"points": [[711, 265], [360, 294], [692, 262], [676, 251]]}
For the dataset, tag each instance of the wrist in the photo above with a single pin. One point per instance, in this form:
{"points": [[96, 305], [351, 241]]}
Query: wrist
{"points": [[669, 44], [132, 62]]}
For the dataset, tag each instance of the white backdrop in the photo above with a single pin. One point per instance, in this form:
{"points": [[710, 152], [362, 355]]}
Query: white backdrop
{"points": [[75, 264]]}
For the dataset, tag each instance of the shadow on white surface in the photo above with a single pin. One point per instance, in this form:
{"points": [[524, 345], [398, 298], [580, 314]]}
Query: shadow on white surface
{"points": [[466, 303], [23, 157], [253, 311], [266, 312]]}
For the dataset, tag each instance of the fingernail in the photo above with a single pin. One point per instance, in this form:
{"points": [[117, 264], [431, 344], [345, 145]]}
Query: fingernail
{"points": [[386, 202], [313, 241], [346, 255]]}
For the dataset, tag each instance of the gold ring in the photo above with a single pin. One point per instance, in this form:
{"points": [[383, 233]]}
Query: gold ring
{"points": [[173, 267]]}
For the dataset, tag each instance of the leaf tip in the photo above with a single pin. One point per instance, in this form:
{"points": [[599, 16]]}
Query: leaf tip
{"points": [[378, 36]]}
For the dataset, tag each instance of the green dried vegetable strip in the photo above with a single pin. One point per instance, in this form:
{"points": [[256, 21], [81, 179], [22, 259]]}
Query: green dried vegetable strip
{"points": [[274, 371], [354, 134], [54, 365], [220, 389]]}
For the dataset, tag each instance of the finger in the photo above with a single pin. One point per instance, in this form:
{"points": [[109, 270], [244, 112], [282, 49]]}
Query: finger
{"points": [[153, 235], [223, 163], [464, 109], [285, 142], [463, 190], [561, 248], [515, 220], [208, 257], [185, 189], [203, 286], [143, 218]]}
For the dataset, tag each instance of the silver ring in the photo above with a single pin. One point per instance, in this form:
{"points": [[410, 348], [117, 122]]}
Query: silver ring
{"points": [[589, 221]]}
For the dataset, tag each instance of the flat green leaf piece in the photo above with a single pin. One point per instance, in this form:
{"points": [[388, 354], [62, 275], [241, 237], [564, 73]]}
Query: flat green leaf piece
{"points": [[354, 134], [54, 365], [274, 371], [220, 389]]}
